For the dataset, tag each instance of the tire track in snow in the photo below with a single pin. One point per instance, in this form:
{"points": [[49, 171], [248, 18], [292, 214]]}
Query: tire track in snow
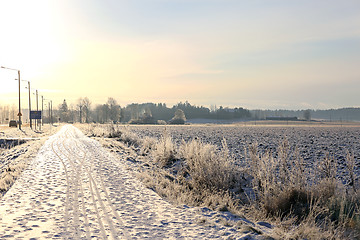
{"points": [[94, 199], [67, 190], [112, 205], [83, 202], [107, 200], [76, 186], [102, 203], [75, 205], [76, 168]]}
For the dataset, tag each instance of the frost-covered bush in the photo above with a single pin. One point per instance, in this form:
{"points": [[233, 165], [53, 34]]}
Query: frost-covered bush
{"points": [[285, 188], [161, 122], [179, 117], [164, 152], [129, 138], [8, 177], [209, 168], [148, 145], [114, 131], [194, 173], [121, 133]]}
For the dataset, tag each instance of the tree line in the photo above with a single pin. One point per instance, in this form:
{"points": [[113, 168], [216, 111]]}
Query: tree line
{"points": [[84, 111], [341, 114], [110, 111]]}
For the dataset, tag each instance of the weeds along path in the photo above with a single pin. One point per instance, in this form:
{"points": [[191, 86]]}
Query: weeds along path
{"points": [[74, 189]]}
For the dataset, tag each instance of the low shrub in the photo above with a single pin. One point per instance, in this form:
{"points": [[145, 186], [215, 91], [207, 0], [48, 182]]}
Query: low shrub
{"points": [[194, 173], [130, 138], [121, 133], [286, 189], [114, 131], [148, 145], [209, 168], [164, 152]]}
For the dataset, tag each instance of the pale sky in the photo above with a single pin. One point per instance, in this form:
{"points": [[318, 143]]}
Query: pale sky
{"points": [[281, 54]]}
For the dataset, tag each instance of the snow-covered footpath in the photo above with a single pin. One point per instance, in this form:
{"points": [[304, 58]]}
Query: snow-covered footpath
{"points": [[75, 189]]}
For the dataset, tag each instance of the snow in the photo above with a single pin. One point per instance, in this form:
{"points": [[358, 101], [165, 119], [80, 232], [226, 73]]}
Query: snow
{"points": [[76, 189]]}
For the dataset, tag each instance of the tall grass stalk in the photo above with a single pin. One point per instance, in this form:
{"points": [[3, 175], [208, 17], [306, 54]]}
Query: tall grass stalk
{"points": [[350, 165], [164, 152]]}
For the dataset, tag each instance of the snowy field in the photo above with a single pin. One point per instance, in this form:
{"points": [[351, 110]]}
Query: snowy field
{"points": [[17, 147], [313, 142], [27, 132], [277, 168]]}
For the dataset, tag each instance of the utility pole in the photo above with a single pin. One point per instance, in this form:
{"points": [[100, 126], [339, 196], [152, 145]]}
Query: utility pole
{"points": [[37, 108], [42, 110], [19, 114], [29, 105], [28, 87], [51, 113]]}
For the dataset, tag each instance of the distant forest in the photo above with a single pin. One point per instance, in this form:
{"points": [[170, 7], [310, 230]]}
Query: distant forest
{"points": [[160, 111], [84, 111], [341, 114], [146, 112], [111, 111]]}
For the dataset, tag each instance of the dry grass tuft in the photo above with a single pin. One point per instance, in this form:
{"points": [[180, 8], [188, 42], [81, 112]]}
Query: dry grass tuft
{"points": [[208, 168], [119, 132], [193, 173], [21, 156], [9, 176], [318, 204], [164, 152]]}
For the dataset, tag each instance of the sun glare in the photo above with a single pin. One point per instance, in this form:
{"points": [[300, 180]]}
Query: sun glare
{"points": [[29, 40]]}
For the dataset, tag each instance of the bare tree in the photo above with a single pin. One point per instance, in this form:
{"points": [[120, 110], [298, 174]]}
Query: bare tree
{"points": [[79, 106], [134, 110], [64, 112], [114, 109], [13, 111], [102, 113], [5, 113], [84, 107], [86, 103]]}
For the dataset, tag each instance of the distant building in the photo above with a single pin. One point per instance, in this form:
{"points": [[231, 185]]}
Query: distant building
{"points": [[282, 118]]}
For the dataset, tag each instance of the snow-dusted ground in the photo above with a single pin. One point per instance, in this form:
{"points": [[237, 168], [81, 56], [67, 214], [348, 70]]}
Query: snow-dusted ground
{"points": [[75, 189], [313, 142]]}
